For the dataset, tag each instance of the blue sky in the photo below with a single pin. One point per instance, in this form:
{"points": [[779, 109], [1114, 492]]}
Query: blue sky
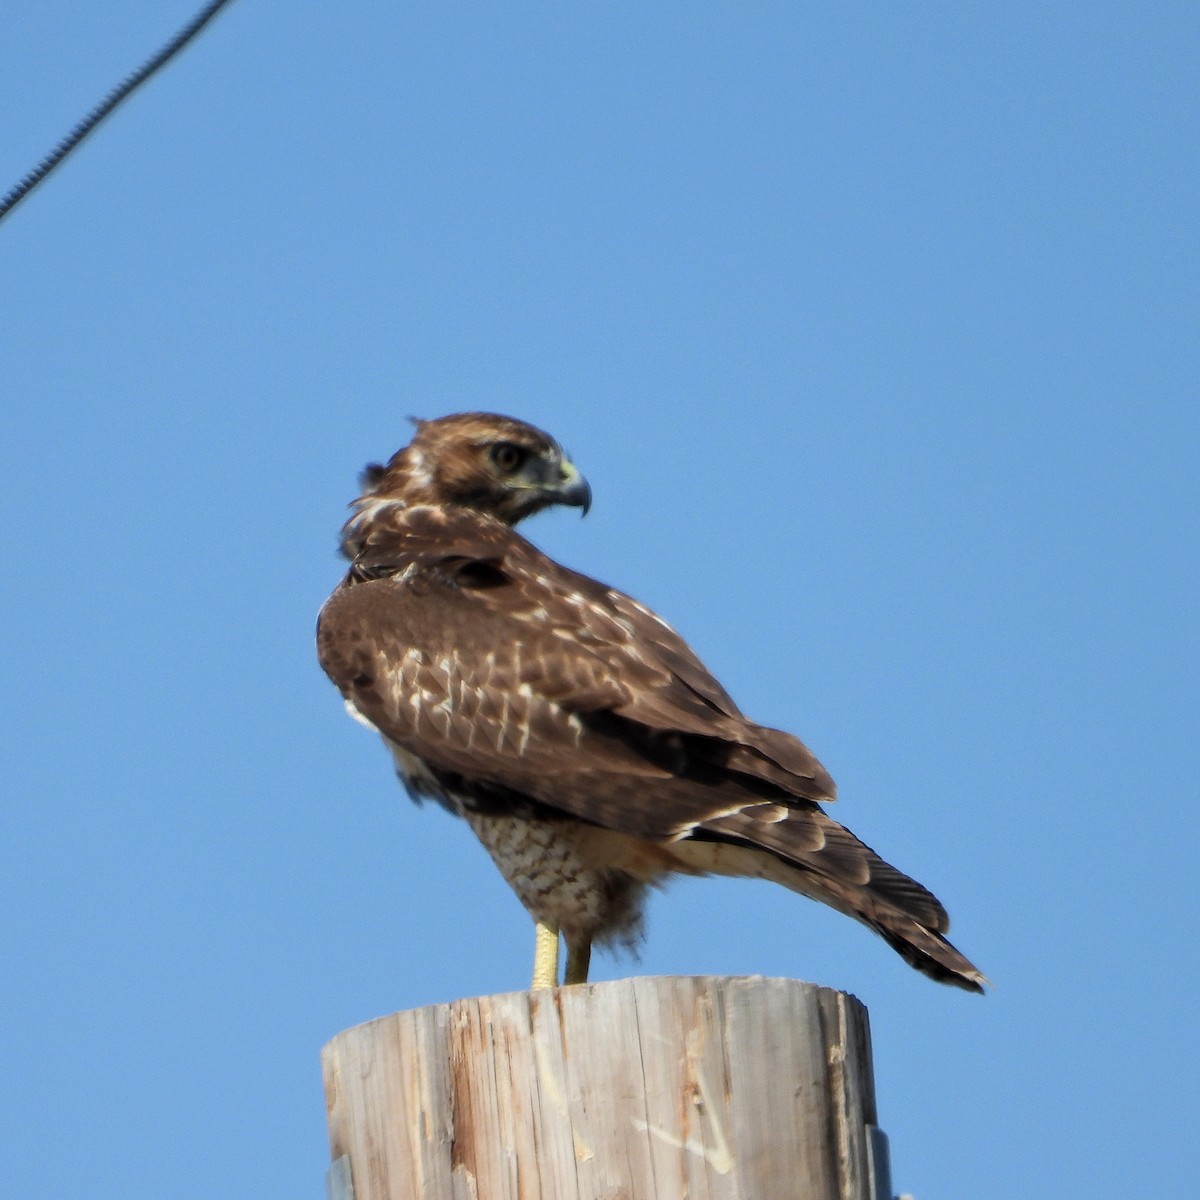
{"points": [[873, 327]]}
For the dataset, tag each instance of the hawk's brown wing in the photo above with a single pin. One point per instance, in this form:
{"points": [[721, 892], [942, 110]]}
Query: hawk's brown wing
{"points": [[484, 658]]}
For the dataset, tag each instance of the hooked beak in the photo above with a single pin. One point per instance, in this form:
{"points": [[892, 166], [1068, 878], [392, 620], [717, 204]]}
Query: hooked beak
{"points": [[572, 488]]}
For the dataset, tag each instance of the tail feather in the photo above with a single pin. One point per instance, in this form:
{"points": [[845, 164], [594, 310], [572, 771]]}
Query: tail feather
{"points": [[801, 847], [931, 954]]}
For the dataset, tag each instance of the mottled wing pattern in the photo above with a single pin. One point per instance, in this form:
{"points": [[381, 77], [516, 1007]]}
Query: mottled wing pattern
{"points": [[466, 646]]}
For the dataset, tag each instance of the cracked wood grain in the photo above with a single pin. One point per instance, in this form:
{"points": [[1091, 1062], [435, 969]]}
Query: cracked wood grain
{"points": [[668, 1088]]}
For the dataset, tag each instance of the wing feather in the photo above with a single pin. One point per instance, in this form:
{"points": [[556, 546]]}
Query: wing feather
{"points": [[490, 660]]}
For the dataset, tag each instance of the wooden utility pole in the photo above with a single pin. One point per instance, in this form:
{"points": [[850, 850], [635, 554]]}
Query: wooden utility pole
{"points": [[641, 1089]]}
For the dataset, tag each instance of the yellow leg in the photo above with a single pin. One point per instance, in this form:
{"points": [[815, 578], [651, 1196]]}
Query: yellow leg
{"points": [[578, 959], [545, 957]]}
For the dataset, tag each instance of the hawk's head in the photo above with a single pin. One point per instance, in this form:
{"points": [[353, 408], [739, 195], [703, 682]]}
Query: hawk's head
{"points": [[483, 461]]}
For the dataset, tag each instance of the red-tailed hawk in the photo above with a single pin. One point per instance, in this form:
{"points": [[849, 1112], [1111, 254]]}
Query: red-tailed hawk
{"points": [[574, 730]]}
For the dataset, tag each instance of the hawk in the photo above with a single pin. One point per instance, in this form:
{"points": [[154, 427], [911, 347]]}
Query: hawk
{"points": [[574, 730]]}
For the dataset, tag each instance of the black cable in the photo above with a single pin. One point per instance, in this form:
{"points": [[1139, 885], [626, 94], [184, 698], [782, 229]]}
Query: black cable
{"points": [[121, 92]]}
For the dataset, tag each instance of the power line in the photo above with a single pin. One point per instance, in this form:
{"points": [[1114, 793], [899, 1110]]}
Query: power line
{"points": [[121, 92]]}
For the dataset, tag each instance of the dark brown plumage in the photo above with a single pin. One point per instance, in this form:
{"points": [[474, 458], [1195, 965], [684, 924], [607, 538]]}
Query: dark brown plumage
{"points": [[576, 732]]}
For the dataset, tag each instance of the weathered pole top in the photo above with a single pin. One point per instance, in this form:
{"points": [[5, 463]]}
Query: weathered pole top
{"points": [[653, 1088]]}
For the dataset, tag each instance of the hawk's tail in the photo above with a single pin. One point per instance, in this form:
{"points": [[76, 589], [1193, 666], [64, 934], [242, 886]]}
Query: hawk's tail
{"points": [[803, 848], [928, 951]]}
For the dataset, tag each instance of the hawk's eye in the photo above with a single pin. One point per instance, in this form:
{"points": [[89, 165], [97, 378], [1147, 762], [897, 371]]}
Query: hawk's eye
{"points": [[508, 457]]}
